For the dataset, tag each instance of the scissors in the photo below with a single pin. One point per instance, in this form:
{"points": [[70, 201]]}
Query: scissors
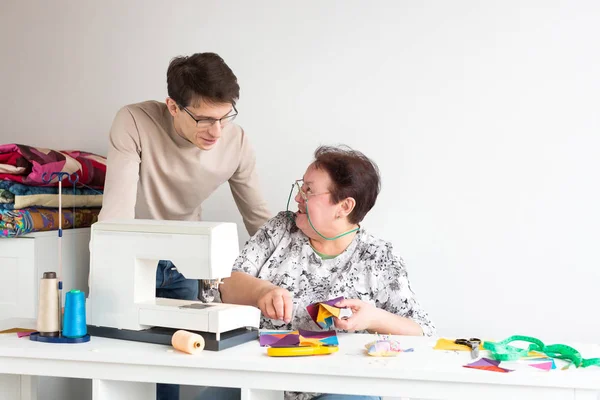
{"points": [[473, 343]]}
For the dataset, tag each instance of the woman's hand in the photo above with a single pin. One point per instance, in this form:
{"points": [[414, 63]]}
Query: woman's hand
{"points": [[276, 303], [362, 317]]}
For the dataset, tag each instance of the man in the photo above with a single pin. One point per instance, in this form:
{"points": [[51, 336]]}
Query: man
{"points": [[165, 159]]}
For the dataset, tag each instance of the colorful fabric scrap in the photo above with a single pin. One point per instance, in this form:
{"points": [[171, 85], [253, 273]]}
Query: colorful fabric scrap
{"points": [[322, 313], [28, 164], [487, 364], [544, 366], [299, 338], [21, 222], [14, 196]]}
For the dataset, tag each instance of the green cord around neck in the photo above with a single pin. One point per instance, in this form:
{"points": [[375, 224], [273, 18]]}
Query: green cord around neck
{"points": [[290, 213]]}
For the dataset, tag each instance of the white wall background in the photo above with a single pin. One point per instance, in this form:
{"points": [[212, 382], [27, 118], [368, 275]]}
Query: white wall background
{"points": [[482, 116]]}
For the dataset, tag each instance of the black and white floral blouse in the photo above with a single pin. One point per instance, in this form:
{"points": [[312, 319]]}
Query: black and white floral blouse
{"points": [[367, 270]]}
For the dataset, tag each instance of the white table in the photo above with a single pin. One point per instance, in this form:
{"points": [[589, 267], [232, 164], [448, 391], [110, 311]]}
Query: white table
{"points": [[128, 370]]}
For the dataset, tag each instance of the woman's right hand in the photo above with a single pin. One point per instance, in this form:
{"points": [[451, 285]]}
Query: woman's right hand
{"points": [[276, 303]]}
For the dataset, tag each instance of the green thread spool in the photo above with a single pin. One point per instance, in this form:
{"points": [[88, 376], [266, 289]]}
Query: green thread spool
{"points": [[74, 323]]}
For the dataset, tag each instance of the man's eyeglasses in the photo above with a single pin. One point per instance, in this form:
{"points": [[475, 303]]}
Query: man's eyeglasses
{"points": [[208, 122]]}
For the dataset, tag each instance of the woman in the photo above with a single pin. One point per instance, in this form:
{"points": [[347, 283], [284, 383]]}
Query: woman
{"points": [[321, 252]]}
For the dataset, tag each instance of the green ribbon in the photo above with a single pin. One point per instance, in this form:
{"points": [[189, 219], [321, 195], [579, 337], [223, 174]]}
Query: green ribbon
{"points": [[502, 351]]}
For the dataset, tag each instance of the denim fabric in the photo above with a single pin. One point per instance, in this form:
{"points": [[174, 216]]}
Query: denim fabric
{"points": [[221, 393], [171, 284]]}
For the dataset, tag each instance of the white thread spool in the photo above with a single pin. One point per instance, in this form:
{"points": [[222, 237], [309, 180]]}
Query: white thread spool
{"points": [[187, 342], [47, 320]]}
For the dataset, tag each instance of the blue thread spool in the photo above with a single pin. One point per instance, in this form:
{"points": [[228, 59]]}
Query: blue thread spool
{"points": [[74, 324]]}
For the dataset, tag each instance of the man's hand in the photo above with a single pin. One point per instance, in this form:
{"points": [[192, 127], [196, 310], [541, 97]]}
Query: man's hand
{"points": [[362, 317], [276, 303]]}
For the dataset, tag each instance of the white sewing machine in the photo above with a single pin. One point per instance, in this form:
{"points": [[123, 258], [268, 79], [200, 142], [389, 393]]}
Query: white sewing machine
{"points": [[123, 262]]}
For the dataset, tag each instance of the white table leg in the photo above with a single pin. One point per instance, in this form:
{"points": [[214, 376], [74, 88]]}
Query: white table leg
{"points": [[260, 394], [582, 394], [103, 389], [29, 387]]}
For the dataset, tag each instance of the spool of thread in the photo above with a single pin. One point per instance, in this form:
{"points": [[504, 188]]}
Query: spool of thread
{"points": [[47, 319], [187, 342], [74, 324]]}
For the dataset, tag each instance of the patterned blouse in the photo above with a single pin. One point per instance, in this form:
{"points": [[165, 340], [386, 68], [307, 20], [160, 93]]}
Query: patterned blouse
{"points": [[367, 270]]}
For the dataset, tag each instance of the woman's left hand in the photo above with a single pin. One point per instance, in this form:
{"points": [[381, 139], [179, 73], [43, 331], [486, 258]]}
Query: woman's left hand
{"points": [[362, 317]]}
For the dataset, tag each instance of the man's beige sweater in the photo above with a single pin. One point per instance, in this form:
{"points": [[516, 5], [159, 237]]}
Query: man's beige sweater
{"points": [[153, 173]]}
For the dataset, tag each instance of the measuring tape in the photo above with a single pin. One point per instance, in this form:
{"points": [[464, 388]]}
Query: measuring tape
{"points": [[504, 352]]}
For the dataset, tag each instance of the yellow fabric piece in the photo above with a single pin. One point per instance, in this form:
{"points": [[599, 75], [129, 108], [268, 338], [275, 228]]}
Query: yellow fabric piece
{"points": [[322, 315], [310, 342], [448, 344], [535, 354], [326, 311], [17, 330], [332, 310]]}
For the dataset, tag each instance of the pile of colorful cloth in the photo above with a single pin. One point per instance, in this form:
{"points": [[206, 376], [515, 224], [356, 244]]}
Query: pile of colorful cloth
{"points": [[29, 197]]}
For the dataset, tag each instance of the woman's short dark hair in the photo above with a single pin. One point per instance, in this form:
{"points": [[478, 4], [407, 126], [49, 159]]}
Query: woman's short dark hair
{"points": [[353, 175], [201, 76]]}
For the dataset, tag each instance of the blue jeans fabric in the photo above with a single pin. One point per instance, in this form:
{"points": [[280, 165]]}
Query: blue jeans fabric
{"points": [[221, 393], [171, 284]]}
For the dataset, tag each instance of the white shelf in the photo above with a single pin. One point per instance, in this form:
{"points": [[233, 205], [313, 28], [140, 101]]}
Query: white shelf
{"points": [[24, 259]]}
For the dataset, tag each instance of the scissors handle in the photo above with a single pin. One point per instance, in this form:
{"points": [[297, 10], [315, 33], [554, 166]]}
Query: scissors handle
{"points": [[473, 343]]}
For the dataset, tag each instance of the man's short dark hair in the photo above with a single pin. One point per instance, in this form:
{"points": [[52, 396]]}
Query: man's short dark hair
{"points": [[353, 175], [201, 76]]}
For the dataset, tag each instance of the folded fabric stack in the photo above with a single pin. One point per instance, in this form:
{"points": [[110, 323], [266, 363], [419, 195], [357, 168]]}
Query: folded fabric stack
{"points": [[29, 197]]}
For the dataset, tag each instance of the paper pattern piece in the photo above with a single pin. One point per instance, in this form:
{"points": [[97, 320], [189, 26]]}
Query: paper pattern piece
{"points": [[322, 313], [299, 338], [487, 364]]}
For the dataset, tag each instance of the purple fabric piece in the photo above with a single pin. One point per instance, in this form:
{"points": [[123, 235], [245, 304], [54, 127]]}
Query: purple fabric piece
{"points": [[332, 301], [288, 341], [268, 340], [484, 362], [316, 334]]}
